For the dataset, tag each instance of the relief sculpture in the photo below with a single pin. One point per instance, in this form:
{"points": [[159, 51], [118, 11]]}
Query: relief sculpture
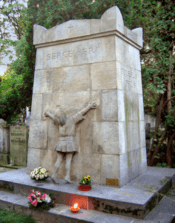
{"points": [[66, 145]]}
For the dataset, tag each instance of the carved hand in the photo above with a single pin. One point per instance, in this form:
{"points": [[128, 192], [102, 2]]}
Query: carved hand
{"points": [[92, 104], [47, 112]]}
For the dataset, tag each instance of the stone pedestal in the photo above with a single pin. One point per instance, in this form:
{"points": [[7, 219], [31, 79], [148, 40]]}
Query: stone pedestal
{"points": [[90, 60]]}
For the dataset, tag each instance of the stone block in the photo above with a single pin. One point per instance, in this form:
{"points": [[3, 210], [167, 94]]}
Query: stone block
{"points": [[72, 78], [97, 113], [36, 107], [88, 51], [127, 54], [43, 81], [95, 26], [131, 106], [139, 35], [38, 134], [143, 163], [112, 20], [133, 164], [121, 106], [87, 165], [40, 59], [103, 76], [132, 134], [72, 102], [109, 167], [105, 137]]}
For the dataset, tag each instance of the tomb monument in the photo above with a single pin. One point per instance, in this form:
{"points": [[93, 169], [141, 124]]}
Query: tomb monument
{"points": [[83, 61]]}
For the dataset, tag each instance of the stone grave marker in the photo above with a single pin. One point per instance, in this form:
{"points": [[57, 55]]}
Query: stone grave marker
{"points": [[77, 62], [4, 142], [18, 145]]}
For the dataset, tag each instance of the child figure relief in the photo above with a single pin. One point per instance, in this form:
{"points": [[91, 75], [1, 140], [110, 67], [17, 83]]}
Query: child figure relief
{"points": [[66, 145]]}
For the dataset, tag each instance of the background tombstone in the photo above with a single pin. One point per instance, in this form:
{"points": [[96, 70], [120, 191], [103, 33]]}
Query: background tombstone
{"points": [[90, 60], [4, 142], [18, 145]]}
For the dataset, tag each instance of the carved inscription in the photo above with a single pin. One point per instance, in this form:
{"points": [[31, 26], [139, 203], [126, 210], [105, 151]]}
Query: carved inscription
{"points": [[130, 78], [59, 55], [88, 50], [69, 28], [82, 51]]}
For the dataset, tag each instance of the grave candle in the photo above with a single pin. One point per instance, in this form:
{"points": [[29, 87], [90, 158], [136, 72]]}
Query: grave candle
{"points": [[75, 208]]}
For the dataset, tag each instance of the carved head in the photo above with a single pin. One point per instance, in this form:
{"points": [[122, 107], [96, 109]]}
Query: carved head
{"points": [[60, 116]]}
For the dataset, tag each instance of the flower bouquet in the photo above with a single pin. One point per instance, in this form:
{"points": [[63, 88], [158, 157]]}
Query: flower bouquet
{"points": [[40, 201], [85, 183], [39, 174]]}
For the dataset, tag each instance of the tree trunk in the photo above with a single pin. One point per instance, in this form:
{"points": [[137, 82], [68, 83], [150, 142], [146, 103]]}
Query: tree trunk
{"points": [[169, 150], [156, 150], [159, 111]]}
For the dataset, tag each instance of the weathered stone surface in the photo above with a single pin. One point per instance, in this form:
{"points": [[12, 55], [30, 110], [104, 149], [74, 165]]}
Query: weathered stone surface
{"points": [[36, 107], [72, 78], [131, 106], [33, 159], [142, 134], [127, 54], [132, 134], [72, 102], [105, 137], [37, 134], [103, 76], [141, 107], [43, 81], [109, 167], [109, 105]]}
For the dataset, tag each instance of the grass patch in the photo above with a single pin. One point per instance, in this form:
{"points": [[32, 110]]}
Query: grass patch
{"points": [[14, 217]]}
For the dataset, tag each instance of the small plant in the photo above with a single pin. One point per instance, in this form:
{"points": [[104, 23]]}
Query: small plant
{"points": [[86, 180], [40, 201], [39, 174]]}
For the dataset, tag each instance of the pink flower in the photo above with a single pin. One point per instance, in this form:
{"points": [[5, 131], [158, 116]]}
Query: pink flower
{"points": [[44, 196], [31, 195], [32, 190], [35, 202], [38, 193]]}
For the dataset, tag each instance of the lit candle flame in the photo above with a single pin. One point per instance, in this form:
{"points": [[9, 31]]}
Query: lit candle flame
{"points": [[75, 205]]}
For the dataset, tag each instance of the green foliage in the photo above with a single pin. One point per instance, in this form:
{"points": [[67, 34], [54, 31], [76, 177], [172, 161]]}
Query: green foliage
{"points": [[162, 165], [170, 119], [14, 217]]}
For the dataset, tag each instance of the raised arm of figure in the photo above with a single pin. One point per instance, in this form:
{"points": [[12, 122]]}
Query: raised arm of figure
{"points": [[48, 113]]}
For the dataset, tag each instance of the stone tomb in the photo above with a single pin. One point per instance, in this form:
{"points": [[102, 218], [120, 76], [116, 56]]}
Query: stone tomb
{"points": [[81, 61], [18, 145]]}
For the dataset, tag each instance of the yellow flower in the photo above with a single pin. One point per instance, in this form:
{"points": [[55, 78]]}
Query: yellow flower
{"points": [[88, 177], [83, 182]]}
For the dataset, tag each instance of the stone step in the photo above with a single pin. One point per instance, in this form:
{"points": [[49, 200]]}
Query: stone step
{"points": [[135, 199], [61, 213]]}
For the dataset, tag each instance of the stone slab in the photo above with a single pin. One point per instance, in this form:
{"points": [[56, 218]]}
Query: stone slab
{"points": [[61, 213], [135, 195]]}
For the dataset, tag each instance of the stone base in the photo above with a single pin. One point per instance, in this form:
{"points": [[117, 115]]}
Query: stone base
{"points": [[136, 199]]}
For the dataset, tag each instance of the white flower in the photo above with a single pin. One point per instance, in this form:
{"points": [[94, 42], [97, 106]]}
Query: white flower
{"points": [[43, 170], [48, 199], [46, 174], [36, 178], [41, 176]]}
